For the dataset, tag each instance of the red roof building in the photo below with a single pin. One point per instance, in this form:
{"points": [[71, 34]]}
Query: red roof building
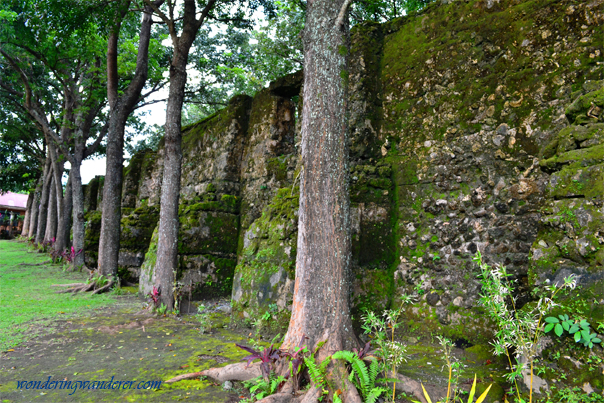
{"points": [[13, 202]]}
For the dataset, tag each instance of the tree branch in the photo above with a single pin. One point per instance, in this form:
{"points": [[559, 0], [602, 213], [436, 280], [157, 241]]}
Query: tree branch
{"points": [[204, 14], [165, 19], [342, 14], [15, 66], [89, 150]]}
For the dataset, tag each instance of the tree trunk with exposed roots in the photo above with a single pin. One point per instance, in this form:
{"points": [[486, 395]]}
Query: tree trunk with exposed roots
{"points": [[322, 287], [321, 305]]}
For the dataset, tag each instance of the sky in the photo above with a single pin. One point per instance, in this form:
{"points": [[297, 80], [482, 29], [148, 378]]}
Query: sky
{"points": [[92, 166]]}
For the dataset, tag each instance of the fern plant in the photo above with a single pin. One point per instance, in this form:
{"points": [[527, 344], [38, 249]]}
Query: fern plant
{"points": [[317, 372], [363, 377], [261, 387]]}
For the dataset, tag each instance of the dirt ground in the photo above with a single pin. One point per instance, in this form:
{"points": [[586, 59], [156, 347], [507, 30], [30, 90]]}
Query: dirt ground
{"points": [[123, 343]]}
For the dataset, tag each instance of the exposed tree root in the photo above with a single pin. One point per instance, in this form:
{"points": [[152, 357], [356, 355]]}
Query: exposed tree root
{"points": [[104, 288], [91, 285], [36, 264], [232, 372], [183, 377]]}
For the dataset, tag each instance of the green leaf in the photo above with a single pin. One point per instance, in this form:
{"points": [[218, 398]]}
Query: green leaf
{"points": [[585, 333], [566, 326], [558, 330], [577, 337], [548, 327], [596, 340], [551, 319], [573, 329]]}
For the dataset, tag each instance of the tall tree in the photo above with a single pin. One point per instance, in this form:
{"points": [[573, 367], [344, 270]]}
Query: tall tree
{"points": [[65, 61], [321, 308], [167, 246], [121, 105], [321, 304]]}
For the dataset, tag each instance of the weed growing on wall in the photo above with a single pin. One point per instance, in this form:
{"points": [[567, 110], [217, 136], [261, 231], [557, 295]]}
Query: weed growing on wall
{"points": [[519, 330]]}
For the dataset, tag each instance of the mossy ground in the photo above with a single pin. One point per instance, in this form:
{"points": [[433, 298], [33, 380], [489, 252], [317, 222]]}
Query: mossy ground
{"points": [[87, 338]]}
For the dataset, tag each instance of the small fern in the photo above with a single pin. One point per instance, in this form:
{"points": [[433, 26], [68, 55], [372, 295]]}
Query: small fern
{"points": [[317, 372], [260, 387], [363, 378]]}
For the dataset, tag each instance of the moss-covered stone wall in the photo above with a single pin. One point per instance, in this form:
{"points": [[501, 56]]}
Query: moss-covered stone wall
{"points": [[474, 125]]}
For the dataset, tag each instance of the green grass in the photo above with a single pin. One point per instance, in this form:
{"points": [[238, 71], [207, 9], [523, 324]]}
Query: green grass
{"points": [[28, 303]]}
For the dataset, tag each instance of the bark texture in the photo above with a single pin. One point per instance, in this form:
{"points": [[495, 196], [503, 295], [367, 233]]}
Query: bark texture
{"points": [[321, 293], [77, 194], [28, 207], [43, 208], [120, 108], [167, 244], [33, 220], [64, 229], [57, 191], [51, 216]]}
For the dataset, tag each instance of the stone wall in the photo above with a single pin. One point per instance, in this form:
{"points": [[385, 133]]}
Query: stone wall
{"points": [[475, 125]]}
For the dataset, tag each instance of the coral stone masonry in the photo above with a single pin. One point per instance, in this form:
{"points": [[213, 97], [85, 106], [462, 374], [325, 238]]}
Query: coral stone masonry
{"points": [[474, 125]]}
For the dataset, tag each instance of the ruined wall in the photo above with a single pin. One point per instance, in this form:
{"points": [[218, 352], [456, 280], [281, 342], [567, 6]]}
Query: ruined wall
{"points": [[475, 125], [472, 94]]}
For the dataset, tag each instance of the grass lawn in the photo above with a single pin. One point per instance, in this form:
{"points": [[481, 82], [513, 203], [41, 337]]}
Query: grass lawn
{"points": [[27, 300]]}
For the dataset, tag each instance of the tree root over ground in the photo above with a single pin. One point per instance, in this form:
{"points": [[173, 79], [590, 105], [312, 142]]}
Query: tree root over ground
{"points": [[238, 372], [92, 285]]}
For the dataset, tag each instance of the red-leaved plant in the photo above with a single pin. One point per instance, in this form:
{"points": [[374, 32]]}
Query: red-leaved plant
{"points": [[70, 255], [154, 296], [268, 356]]}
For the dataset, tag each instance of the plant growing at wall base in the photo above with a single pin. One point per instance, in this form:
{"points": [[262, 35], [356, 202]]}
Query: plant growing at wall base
{"points": [[453, 367], [391, 352], [480, 399], [580, 330], [518, 329], [204, 319]]}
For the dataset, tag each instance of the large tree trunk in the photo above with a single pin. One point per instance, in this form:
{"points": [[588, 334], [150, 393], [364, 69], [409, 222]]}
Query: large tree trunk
{"points": [[321, 294], [58, 168], [120, 109], [109, 244], [33, 220], [51, 216], [77, 194], [64, 229], [43, 208], [28, 210], [167, 242]]}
